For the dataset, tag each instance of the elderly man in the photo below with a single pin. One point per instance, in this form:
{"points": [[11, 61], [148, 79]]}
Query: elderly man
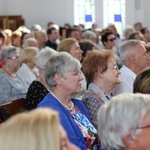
{"points": [[124, 122], [134, 57]]}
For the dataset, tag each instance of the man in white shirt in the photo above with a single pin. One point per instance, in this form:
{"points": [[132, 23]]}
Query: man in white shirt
{"points": [[134, 58]]}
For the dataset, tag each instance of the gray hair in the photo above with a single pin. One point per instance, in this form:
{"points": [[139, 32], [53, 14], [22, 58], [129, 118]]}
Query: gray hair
{"points": [[127, 49], [30, 42], [7, 52], [60, 63], [128, 30], [43, 56], [121, 116], [89, 35]]}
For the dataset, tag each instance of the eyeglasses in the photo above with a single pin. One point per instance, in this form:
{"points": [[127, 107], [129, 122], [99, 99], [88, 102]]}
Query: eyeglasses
{"points": [[148, 126], [115, 67], [113, 39], [13, 57]]}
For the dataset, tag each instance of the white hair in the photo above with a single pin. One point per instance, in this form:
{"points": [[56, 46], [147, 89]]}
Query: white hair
{"points": [[121, 116], [43, 56], [127, 49]]}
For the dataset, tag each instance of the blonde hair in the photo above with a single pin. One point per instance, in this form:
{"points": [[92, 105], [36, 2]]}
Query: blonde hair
{"points": [[34, 130], [28, 54], [66, 45]]}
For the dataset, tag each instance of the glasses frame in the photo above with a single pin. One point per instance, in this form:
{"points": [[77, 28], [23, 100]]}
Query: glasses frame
{"points": [[115, 67], [144, 127], [13, 57]]}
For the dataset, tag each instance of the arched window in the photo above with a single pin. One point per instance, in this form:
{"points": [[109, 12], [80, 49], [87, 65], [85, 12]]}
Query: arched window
{"points": [[84, 12]]}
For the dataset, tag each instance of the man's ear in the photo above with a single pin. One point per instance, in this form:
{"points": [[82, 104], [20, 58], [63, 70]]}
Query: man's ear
{"points": [[58, 78], [129, 141]]}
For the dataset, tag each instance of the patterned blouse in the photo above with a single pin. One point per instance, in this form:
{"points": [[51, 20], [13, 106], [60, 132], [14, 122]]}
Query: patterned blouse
{"points": [[93, 98], [36, 92]]}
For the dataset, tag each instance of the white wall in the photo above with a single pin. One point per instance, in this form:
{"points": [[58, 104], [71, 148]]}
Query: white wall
{"points": [[62, 11], [41, 12]]}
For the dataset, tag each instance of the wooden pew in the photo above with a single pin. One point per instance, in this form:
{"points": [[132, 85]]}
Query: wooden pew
{"points": [[11, 108]]}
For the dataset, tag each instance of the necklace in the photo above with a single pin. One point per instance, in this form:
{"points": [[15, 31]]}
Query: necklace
{"points": [[69, 109], [13, 76]]}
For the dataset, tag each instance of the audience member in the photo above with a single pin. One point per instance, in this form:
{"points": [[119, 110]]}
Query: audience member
{"points": [[127, 31], [73, 33], [146, 33], [30, 42], [38, 88], [123, 123], [102, 74], [15, 38], [147, 47], [71, 46], [34, 130], [113, 28], [62, 73], [41, 38], [134, 58], [90, 35], [52, 34], [142, 82], [11, 86], [108, 40], [27, 71], [138, 26], [8, 33], [137, 35], [87, 46]]}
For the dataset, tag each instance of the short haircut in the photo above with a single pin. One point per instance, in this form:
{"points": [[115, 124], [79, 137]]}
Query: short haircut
{"points": [[95, 60], [89, 35], [60, 63], [69, 31], [127, 49], [43, 56], [7, 52], [132, 35], [121, 116], [28, 54], [50, 30], [30, 42], [105, 35], [86, 44], [66, 45], [142, 82]]}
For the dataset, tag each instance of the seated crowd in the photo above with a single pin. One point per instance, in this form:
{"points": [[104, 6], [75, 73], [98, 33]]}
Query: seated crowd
{"points": [[81, 87]]}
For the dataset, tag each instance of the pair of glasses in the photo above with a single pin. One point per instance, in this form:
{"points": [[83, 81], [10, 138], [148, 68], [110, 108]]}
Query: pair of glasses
{"points": [[13, 57], [113, 39], [144, 127], [115, 67]]}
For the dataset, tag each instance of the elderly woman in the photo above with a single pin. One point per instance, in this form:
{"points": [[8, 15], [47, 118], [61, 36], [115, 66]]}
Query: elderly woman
{"points": [[123, 123], [102, 74], [63, 77], [38, 88], [11, 86], [27, 70], [51, 135], [71, 46], [142, 82]]}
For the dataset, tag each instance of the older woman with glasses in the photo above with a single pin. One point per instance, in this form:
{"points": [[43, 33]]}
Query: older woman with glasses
{"points": [[62, 73], [124, 122], [102, 74], [11, 86]]}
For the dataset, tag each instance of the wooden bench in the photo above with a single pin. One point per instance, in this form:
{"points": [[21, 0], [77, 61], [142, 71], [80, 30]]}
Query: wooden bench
{"points": [[11, 108]]}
